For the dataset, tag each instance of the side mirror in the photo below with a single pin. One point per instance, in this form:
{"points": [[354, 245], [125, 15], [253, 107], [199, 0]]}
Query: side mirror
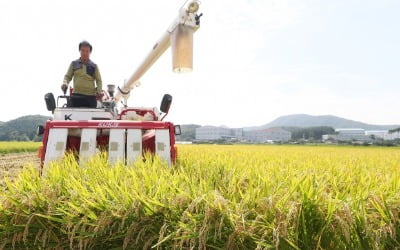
{"points": [[50, 102], [166, 103], [177, 129], [39, 130]]}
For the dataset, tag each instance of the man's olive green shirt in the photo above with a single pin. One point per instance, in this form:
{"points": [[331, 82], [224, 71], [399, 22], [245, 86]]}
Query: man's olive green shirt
{"points": [[84, 77]]}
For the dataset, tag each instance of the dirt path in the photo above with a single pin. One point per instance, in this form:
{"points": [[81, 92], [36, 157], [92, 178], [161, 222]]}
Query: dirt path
{"points": [[12, 164]]}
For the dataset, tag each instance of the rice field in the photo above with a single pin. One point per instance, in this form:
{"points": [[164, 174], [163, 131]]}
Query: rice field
{"points": [[18, 147], [215, 197], [12, 164]]}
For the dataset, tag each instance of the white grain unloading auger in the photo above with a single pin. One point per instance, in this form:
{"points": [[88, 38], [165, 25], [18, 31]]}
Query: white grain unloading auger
{"points": [[127, 132]]}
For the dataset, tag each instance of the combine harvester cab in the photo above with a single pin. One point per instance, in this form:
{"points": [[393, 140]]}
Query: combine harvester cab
{"points": [[126, 133]]}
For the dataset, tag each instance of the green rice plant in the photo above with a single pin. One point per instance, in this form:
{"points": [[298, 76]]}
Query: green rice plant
{"points": [[214, 197]]}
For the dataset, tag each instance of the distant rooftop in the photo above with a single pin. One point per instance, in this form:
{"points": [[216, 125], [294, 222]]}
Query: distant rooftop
{"points": [[349, 129]]}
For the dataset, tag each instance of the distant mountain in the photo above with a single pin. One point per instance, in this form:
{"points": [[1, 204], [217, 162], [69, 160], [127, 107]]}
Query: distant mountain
{"points": [[22, 129], [302, 120]]}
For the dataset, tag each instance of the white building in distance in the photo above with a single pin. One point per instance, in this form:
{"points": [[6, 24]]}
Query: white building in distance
{"points": [[212, 133], [267, 135], [351, 134], [393, 136], [358, 134], [383, 134]]}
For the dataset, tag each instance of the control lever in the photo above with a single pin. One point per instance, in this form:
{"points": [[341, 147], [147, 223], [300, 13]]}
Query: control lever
{"points": [[64, 89]]}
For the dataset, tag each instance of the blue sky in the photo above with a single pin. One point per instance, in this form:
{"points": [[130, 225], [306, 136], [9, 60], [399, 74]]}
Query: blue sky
{"points": [[255, 60]]}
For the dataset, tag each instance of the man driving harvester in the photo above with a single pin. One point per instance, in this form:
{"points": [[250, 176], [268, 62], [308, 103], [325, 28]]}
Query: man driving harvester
{"points": [[85, 73]]}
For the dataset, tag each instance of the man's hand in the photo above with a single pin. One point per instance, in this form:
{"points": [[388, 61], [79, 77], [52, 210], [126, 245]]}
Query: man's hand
{"points": [[64, 88], [99, 95]]}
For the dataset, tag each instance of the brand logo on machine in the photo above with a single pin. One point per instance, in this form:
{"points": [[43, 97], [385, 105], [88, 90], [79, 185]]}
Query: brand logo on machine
{"points": [[68, 117], [108, 124]]}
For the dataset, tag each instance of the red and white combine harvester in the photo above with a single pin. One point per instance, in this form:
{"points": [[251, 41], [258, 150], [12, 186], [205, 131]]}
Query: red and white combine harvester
{"points": [[124, 132]]}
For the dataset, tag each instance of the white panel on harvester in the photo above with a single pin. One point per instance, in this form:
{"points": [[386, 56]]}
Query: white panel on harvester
{"points": [[116, 147], [133, 146], [56, 144], [163, 147], [88, 143]]}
